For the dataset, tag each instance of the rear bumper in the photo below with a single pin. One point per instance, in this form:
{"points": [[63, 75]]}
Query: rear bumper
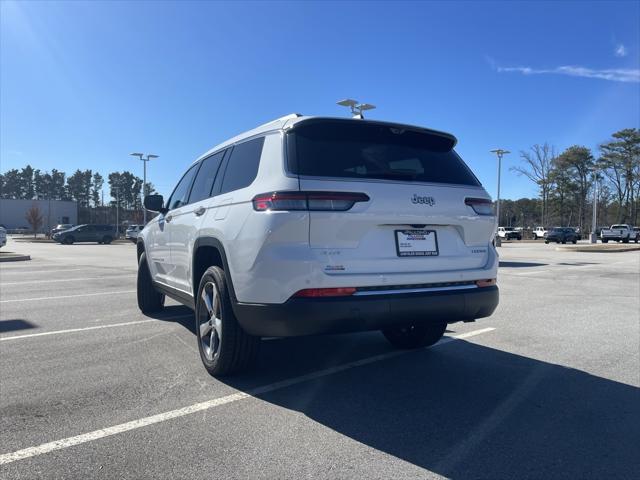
{"points": [[312, 316]]}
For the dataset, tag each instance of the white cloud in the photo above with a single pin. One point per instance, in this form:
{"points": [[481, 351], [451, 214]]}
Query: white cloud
{"points": [[621, 50], [631, 75]]}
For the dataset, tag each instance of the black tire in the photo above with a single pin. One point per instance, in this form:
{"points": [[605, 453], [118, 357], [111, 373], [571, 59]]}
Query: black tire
{"points": [[68, 240], [546, 242], [107, 240], [605, 240], [574, 241], [626, 240], [564, 241], [224, 347], [415, 336], [149, 299]]}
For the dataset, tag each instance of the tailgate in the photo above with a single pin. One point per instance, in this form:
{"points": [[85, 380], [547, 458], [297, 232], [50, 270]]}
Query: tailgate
{"points": [[369, 237]]}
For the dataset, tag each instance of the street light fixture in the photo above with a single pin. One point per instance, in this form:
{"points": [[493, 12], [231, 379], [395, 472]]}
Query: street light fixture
{"points": [[144, 180], [499, 153], [356, 108]]}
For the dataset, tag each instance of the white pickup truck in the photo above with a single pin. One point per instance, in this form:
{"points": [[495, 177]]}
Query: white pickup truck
{"points": [[539, 232], [620, 233]]}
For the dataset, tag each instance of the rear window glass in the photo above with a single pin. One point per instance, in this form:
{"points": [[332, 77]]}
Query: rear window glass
{"points": [[365, 150]]}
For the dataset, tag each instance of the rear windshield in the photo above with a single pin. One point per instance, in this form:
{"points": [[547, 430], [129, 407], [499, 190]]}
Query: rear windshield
{"points": [[350, 149]]}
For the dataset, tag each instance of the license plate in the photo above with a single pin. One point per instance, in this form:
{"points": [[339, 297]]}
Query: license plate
{"points": [[416, 243]]}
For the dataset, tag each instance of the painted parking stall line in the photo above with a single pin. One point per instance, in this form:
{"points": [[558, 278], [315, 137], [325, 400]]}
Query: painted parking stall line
{"points": [[67, 296], [209, 404], [77, 279], [95, 327]]}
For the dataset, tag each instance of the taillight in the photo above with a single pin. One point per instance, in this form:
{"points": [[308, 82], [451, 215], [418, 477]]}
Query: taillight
{"points": [[486, 283], [325, 292], [316, 201], [482, 206]]}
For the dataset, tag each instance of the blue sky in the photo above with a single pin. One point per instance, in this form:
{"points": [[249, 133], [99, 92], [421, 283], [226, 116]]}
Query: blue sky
{"points": [[84, 84]]}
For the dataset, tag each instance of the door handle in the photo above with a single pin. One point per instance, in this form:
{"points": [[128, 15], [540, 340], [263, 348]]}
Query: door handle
{"points": [[199, 211], [168, 218]]}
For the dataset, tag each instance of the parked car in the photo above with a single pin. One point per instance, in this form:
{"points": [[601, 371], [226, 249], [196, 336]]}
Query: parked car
{"points": [[539, 232], [132, 232], [87, 233], [3, 236], [620, 233], [60, 228], [561, 235], [289, 229], [636, 231], [509, 233]]}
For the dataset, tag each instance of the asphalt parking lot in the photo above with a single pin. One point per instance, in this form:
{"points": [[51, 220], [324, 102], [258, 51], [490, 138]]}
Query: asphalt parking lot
{"points": [[545, 388]]}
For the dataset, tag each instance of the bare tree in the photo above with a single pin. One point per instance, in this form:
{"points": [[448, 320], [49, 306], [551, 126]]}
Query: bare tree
{"points": [[538, 165], [34, 217]]}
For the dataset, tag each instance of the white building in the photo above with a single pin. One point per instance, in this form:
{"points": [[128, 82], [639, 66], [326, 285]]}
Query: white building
{"points": [[13, 213]]}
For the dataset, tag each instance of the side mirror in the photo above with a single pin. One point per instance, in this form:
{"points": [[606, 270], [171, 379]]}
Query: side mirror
{"points": [[154, 203]]}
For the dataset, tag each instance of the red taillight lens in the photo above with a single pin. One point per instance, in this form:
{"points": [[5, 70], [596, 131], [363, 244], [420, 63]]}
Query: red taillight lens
{"points": [[486, 283], [482, 206], [280, 201], [316, 201], [326, 292]]}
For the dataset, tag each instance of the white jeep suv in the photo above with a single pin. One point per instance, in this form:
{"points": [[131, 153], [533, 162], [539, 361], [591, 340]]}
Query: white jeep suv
{"points": [[311, 225]]}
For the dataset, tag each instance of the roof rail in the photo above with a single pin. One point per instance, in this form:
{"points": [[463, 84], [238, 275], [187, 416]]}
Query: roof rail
{"points": [[281, 119]]}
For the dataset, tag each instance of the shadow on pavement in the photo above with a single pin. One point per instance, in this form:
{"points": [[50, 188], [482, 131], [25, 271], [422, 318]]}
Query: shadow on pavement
{"points": [[13, 325], [176, 314], [461, 410], [522, 264]]}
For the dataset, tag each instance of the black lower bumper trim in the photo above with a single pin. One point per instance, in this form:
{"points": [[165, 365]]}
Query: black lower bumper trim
{"points": [[312, 316]]}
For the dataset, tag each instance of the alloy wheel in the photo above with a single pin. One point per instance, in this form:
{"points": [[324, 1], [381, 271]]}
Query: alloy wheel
{"points": [[210, 321]]}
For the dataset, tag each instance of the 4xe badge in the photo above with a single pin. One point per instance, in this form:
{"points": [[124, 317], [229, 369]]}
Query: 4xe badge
{"points": [[423, 200]]}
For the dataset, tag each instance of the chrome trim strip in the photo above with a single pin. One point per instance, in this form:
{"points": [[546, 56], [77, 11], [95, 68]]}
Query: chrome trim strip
{"points": [[412, 290]]}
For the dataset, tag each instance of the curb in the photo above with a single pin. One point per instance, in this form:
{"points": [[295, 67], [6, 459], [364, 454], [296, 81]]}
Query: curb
{"points": [[598, 248], [14, 258]]}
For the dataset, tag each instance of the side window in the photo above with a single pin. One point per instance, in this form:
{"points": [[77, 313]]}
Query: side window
{"points": [[204, 179], [181, 192], [242, 166]]}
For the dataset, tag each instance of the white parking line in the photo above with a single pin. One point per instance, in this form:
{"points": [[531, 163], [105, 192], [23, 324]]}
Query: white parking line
{"points": [[96, 327], [4, 270], [216, 402], [30, 282], [66, 296], [77, 279]]}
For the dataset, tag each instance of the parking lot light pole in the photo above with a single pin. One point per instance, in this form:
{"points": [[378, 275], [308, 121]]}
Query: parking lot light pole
{"points": [[593, 238], [499, 153], [117, 189], [144, 180]]}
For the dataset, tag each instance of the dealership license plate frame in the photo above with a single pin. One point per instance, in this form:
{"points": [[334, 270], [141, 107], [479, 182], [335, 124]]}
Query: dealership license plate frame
{"points": [[416, 253]]}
